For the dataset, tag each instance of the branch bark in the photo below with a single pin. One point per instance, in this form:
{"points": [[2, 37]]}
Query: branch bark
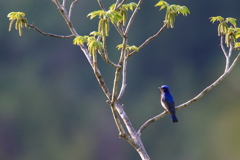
{"points": [[204, 91], [149, 39], [49, 34], [70, 8]]}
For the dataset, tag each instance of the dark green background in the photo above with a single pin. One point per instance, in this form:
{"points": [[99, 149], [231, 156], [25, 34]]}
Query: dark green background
{"points": [[52, 108]]}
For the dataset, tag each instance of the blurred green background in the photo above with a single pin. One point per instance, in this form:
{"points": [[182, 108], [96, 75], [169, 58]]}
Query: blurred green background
{"points": [[52, 108]]}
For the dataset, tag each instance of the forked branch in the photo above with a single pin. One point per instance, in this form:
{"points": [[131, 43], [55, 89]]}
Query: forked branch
{"points": [[203, 92]]}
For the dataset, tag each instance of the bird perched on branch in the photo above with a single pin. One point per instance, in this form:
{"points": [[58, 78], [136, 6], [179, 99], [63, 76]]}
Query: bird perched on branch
{"points": [[167, 102]]}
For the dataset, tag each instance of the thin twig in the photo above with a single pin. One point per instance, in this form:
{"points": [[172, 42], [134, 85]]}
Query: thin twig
{"points": [[151, 120], [88, 56], [119, 30], [49, 34], [124, 78], [112, 63], [64, 13], [103, 8], [222, 46], [121, 130], [85, 50], [70, 8], [126, 120], [230, 50], [120, 5], [63, 3], [116, 4], [102, 83], [105, 55], [101, 5], [132, 17], [211, 86], [149, 39], [117, 72], [225, 53], [207, 89], [97, 73]]}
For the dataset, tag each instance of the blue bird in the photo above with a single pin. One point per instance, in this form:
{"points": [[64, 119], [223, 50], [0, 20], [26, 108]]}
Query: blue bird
{"points": [[167, 102]]}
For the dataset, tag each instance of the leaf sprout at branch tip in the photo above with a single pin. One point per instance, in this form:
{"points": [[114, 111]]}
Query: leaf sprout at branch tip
{"points": [[172, 11], [128, 48], [21, 21], [231, 32]]}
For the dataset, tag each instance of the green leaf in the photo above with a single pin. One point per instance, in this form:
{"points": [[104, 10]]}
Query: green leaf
{"points": [[130, 6], [172, 11], [80, 40], [127, 7], [184, 10], [95, 33], [232, 21], [16, 15], [129, 48], [237, 33], [217, 18], [94, 45], [96, 13], [237, 45], [119, 46], [133, 48], [112, 6], [114, 16], [162, 4]]}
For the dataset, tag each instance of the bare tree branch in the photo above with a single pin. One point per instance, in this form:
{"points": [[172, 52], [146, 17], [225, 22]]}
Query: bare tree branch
{"points": [[102, 83], [105, 55], [118, 6], [97, 72], [151, 120], [149, 39], [148, 122], [70, 8], [222, 46], [230, 50], [132, 17], [49, 34], [136, 142], [227, 55], [101, 5], [64, 13], [228, 58], [64, 3], [124, 78], [119, 30], [211, 86], [117, 72]]}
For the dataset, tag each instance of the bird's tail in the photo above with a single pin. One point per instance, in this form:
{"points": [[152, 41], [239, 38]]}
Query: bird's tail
{"points": [[174, 119]]}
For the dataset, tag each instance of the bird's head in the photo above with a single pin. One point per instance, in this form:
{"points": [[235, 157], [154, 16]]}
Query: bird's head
{"points": [[164, 88]]}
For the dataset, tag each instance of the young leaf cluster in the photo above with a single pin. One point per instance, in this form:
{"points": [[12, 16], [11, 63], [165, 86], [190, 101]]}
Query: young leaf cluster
{"points": [[128, 48], [118, 17], [228, 27], [123, 11], [21, 21], [104, 17], [93, 44], [172, 11]]}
